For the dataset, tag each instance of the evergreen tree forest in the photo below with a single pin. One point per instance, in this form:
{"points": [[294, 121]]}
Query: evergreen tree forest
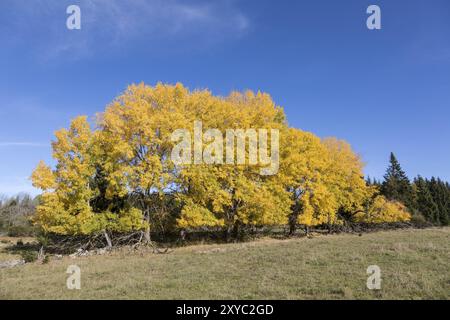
{"points": [[427, 199]]}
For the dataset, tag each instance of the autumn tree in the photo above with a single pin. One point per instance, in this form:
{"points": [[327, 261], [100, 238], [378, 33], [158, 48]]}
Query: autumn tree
{"points": [[346, 180], [231, 195], [382, 210], [122, 176], [136, 134], [65, 206], [304, 164]]}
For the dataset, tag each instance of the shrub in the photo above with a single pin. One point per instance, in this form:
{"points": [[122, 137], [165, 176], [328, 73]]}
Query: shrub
{"points": [[418, 219], [46, 259], [384, 211], [29, 256], [20, 231]]}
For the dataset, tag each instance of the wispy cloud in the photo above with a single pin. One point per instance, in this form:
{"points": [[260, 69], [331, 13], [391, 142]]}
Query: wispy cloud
{"points": [[23, 144], [117, 23]]}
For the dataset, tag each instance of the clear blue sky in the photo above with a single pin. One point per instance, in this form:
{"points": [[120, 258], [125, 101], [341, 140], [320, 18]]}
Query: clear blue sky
{"points": [[383, 91]]}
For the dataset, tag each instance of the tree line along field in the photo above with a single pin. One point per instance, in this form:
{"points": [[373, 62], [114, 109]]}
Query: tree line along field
{"points": [[120, 177], [414, 265]]}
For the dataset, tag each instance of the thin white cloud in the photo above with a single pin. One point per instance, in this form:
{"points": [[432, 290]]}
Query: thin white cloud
{"points": [[109, 24], [23, 144]]}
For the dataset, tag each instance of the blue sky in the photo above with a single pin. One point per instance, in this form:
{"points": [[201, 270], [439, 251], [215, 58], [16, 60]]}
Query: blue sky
{"points": [[384, 90]]}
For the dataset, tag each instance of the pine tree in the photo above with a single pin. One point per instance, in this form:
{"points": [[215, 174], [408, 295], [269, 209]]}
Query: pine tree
{"points": [[396, 185], [447, 188], [373, 182], [440, 197], [425, 202], [445, 213], [377, 183]]}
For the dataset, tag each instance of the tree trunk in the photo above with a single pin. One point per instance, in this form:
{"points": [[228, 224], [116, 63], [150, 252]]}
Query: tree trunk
{"points": [[296, 209], [147, 237], [228, 233], [183, 235], [292, 224], [108, 239], [237, 230], [41, 254]]}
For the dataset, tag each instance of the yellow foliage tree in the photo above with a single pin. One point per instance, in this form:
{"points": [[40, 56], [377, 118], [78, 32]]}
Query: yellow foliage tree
{"points": [[65, 207], [231, 195], [382, 210], [122, 177], [304, 165], [346, 179]]}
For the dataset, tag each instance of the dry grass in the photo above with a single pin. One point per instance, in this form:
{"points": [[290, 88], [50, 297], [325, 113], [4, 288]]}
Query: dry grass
{"points": [[415, 264], [6, 242]]}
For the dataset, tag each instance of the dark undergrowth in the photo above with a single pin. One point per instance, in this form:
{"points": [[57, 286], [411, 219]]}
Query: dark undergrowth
{"points": [[56, 244]]}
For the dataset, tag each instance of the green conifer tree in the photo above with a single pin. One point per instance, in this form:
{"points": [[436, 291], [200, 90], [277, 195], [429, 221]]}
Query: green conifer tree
{"points": [[425, 202], [396, 185]]}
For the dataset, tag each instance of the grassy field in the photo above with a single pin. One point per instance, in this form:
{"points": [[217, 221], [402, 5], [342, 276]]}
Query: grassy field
{"points": [[415, 264]]}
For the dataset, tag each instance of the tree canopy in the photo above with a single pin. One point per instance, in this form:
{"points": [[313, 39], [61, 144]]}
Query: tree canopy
{"points": [[119, 175]]}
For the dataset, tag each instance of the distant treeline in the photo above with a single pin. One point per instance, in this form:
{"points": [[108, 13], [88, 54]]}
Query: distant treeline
{"points": [[15, 215]]}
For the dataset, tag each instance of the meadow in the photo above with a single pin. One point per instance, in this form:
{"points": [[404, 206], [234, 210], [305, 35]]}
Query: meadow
{"points": [[414, 265]]}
